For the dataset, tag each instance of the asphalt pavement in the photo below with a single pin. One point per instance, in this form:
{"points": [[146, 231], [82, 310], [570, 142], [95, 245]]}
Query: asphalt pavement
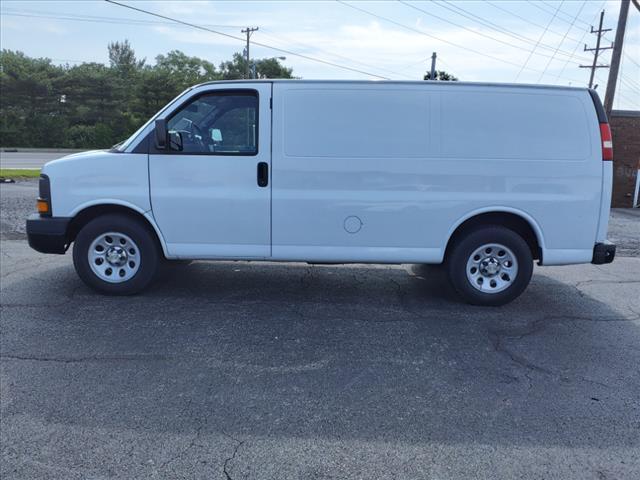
{"points": [[236, 370]]}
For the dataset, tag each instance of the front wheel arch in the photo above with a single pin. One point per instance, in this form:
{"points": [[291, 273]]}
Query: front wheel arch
{"points": [[87, 214]]}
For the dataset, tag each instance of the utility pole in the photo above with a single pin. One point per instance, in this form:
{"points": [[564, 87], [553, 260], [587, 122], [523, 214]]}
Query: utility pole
{"points": [[248, 31], [433, 66], [597, 50], [615, 57]]}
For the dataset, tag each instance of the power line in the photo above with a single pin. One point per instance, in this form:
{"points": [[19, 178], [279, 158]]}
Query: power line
{"points": [[596, 50], [539, 39], [584, 34], [556, 50], [413, 64], [380, 17], [264, 45], [93, 19], [537, 3], [630, 58], [504, 42], [125, 21], [488, 23], [282, 38], [620, 96], [630, 83], [444, 63], [468, 49], [531, 22], [632, 102], [578, 42], [563, 38]]}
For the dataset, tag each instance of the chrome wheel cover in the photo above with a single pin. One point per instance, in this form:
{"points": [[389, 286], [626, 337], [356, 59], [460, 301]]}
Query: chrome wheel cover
{"points": [[114, 257], [492, 268]]}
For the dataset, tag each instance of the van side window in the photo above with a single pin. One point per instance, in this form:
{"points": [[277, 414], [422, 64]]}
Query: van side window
{"points": [[218, 123]]}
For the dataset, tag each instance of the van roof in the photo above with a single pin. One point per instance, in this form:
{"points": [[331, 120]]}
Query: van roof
{"points": [[395, 82]]}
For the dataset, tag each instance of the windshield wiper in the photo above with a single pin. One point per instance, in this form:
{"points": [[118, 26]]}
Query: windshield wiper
{"points": [[115, 148]]}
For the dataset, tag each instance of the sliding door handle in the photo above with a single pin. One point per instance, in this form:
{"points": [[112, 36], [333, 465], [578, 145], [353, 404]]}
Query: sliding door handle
{"points": [[263, 174]]}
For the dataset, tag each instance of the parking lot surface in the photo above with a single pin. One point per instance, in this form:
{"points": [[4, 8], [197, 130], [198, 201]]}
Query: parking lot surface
{"points": [[238, 370]]}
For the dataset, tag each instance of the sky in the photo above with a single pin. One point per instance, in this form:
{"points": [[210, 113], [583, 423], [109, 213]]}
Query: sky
{"points": [[524, 41]]}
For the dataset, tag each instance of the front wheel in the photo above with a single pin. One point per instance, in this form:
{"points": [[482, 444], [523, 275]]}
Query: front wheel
{"points": [[490, 266], [116, 254]]}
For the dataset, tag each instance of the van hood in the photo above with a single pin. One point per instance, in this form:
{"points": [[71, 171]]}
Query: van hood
{"points": [[75, 157]]}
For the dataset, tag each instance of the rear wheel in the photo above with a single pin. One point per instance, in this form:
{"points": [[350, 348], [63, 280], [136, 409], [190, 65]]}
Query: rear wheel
{"points": [[116, 254], [490, 265]]}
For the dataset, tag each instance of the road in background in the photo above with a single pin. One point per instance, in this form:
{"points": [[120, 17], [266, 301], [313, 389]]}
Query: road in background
{"points": [[30, 158]]}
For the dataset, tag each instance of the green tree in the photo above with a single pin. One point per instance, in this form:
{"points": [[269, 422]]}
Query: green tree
{"points": [[272, 68], [92, 105], [123, 59], [29, 102], [184, 71], [236, 68], [441, 75], [95, 105]]}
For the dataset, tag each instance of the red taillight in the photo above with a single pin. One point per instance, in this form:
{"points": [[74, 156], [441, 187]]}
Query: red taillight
{"points": [[607, 143]]}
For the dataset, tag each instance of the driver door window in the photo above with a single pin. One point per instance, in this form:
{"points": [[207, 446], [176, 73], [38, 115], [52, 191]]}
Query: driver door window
{"points": [[217, 123]]}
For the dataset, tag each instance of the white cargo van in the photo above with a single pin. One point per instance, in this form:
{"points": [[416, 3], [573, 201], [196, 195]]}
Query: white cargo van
{"points": [[486, 178]]}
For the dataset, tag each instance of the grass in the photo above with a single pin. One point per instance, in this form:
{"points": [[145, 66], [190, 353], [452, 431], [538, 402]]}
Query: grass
{"points": [[19, 173]]}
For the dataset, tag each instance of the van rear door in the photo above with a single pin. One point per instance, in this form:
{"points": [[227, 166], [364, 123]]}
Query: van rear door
{"points": [[210, 192]]}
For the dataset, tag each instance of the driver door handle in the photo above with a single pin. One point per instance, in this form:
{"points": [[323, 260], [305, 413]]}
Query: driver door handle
{"points": [[263, 174]]}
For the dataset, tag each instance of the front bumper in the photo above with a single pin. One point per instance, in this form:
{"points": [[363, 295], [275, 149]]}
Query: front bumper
{"points": [[47, 234], [603, 253]]}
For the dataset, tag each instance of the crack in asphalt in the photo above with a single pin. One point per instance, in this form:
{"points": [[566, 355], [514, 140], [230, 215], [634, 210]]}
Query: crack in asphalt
{"points": [[496, 337], [194, 439], [401, 295], [599, 282], [115, 358], [231, 458]]}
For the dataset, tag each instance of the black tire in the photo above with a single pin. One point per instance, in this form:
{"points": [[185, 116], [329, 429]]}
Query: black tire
{"points": [[141, 234], [461, 251]]}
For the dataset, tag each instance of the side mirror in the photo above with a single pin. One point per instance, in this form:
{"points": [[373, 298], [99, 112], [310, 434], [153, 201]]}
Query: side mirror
{"points": [[175, 141], [161, 133], [216, 135]]}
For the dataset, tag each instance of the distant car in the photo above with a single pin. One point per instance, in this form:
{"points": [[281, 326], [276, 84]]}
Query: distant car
{"points": [[486, 178]]}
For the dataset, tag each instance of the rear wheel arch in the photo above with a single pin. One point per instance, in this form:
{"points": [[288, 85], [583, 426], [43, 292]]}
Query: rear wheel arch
{"points": [[525, 227], [84, 216]]}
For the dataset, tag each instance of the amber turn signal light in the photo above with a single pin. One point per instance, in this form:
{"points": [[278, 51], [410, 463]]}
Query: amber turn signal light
{"points": [[43, 206]]}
